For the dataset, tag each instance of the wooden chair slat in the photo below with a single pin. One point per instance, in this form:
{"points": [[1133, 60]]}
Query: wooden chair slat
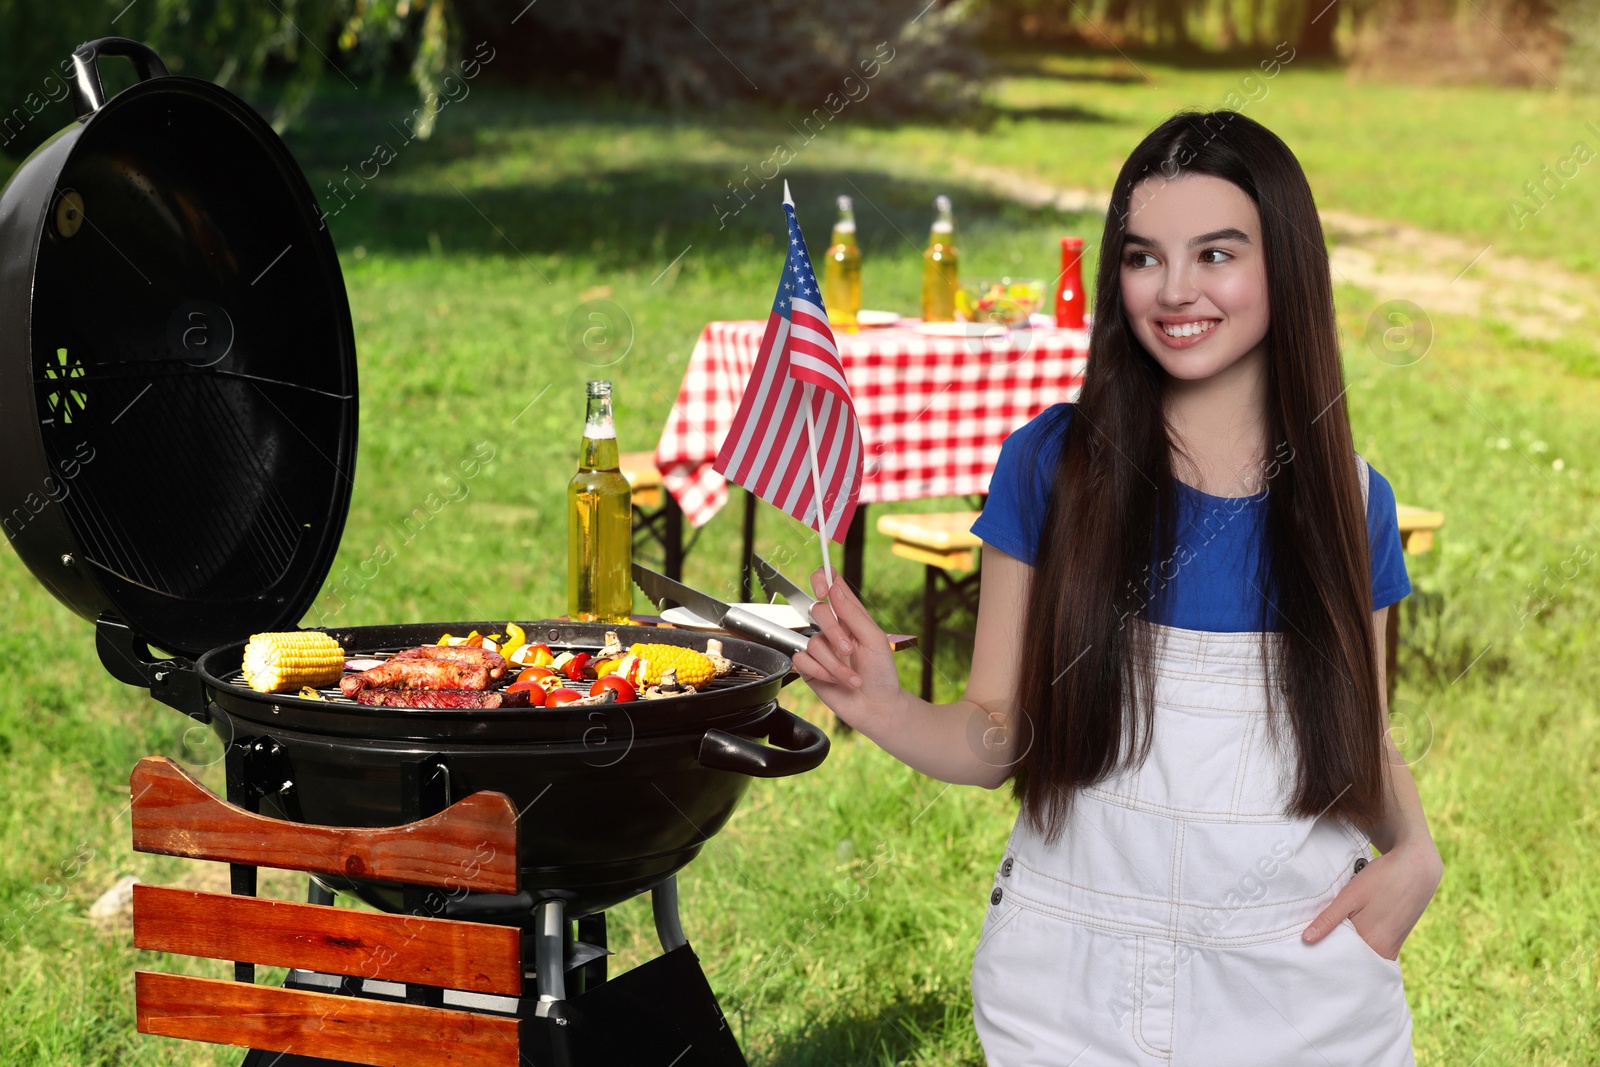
{"points": [[958, 560], [275, 933], [472, 844], [639, 468], [943, 530], [347, 1029]]}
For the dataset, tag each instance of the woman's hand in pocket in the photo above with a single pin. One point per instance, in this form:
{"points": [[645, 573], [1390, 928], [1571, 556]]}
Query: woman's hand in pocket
{"points": [[1384, 900]]}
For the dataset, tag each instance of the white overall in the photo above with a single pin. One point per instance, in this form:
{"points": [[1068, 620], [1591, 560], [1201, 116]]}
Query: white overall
{"points": [[1163, 925]]}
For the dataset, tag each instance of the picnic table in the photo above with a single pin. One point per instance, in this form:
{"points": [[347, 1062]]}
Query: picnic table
{"points": [[933, 412]]}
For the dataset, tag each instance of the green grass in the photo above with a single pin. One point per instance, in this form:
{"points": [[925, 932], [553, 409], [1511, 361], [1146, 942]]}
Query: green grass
{"points": [[1447, 158], [466, 259]]}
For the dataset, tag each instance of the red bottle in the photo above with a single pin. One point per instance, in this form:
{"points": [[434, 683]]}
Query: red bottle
{"points": [[1069, 289]]}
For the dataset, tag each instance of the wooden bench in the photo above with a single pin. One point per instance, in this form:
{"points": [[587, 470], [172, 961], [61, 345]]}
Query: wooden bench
{"points": [[943, 542], [1417, 526], [656, 516], [643, 478], [327, 1009]]}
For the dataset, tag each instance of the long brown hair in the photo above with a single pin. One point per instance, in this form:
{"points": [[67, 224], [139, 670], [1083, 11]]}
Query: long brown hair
{"points": [[1086, 688]]}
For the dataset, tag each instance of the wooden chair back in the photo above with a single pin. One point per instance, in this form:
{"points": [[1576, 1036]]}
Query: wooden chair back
{"points": [[471, 844]]}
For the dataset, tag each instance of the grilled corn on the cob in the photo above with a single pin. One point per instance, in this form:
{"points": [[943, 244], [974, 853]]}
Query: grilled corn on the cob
{"points": [[274, 663], [694, 668]]}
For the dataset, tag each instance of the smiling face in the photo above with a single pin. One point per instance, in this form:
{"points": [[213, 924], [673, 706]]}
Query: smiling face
{"points": [[1194, 277]]}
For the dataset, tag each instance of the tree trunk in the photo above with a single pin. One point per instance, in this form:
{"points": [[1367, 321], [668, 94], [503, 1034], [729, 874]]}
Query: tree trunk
{"points": [[1117, 15], [1255, 30], [1316, 33], [1172, 25]]}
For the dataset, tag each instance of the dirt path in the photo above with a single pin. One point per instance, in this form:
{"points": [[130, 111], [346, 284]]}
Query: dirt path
{"points": [[1396, 261]]}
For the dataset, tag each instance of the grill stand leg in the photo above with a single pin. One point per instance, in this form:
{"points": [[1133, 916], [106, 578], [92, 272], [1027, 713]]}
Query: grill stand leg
{"points": [[550, 954], [424, 792], [591, 931], [661, 1012], [664, 903], [243, 792]]}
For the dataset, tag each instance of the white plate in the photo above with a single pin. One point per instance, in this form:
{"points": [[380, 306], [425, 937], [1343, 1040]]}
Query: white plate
{"points": [[958, 329], [877, 318], [782, 614]]}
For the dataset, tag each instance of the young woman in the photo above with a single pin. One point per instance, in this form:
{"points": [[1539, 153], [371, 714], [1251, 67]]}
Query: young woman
{"points": [[1179, 658]]}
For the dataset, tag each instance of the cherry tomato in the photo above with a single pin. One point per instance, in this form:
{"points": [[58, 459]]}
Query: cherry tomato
{"points": [[562, 696], [538, 655], [530, 674], [575, 669], [621, 686], [536, 693]]}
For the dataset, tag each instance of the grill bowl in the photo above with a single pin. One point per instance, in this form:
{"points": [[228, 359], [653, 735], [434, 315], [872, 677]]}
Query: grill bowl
{"points": [[614, 798]]}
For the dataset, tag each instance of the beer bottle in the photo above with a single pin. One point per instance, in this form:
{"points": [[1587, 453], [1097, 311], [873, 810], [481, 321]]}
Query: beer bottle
{"points": [[940, 266], [841, 275], [599, 522]]}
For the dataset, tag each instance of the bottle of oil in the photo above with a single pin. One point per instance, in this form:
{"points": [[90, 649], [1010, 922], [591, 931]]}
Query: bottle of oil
{"points": [[599, 522], [841, 276], [940, 273]]}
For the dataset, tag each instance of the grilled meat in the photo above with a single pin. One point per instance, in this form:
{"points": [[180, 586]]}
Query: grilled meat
{"points": [[452, 699], [417, 674], [467, 655]]}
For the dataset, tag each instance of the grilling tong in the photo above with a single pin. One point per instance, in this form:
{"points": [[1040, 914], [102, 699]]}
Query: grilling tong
{"points": [[658, 587]]}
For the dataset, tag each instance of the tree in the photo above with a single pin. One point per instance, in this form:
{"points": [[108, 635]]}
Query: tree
{"points": [[1316, 33], [231, 42]]}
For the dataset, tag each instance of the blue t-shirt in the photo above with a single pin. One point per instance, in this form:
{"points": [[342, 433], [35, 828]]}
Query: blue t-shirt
{"points": [[1213, 589]]}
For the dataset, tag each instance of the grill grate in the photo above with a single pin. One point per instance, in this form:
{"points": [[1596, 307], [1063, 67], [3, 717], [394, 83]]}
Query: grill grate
{"points": [[741, 674], [215, 526]]}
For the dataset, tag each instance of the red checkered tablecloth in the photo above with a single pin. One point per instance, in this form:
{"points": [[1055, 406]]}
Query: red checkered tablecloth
{"points": [[933, 410]]}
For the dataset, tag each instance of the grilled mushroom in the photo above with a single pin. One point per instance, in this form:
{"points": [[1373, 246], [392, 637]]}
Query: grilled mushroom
{"points": [[720, 664], [669, 687]]}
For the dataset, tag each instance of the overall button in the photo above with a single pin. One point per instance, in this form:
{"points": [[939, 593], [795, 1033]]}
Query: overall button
{"points": [[994, 898], [1005, 868], [1360, 863]]}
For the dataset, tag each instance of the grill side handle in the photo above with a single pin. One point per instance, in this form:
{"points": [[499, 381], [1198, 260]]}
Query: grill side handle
{"points": [[127, 657], [796, 746]]}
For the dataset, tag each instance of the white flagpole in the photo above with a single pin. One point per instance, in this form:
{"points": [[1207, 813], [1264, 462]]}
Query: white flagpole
{"points": [[816, 487], [811, 445]]}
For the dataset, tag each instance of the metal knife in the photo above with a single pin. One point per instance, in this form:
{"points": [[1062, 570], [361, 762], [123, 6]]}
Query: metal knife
{"points": [[658, 587], [775, 584]]}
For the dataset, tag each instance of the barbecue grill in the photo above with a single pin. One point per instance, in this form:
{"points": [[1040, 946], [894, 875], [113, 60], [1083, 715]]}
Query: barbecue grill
{"points": [[149, 254]]}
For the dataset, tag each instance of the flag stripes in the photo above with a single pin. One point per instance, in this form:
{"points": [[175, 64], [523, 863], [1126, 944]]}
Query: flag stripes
{"points": [[797, 365]]}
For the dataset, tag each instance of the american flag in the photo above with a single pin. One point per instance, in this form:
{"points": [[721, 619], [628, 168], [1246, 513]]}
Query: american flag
{"points": [[766, 449]]}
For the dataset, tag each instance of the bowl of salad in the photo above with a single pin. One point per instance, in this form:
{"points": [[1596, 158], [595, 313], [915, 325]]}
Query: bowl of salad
{"points": [[1005, 302]]}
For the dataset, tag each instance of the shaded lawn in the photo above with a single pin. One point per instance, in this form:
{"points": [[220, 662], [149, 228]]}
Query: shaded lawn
{"points": [[466, 262]]}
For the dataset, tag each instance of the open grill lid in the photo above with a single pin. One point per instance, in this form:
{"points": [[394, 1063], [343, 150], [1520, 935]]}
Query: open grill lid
{"points": [[177, 364]]}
